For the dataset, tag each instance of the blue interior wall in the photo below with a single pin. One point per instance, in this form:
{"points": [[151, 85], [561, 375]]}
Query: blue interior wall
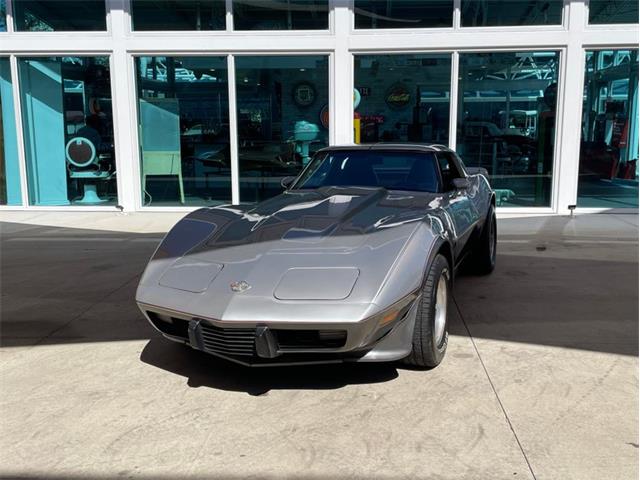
{"points": [[11, 165], [43, 123]]}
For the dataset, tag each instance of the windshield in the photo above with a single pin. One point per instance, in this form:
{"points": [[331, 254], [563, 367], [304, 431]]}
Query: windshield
{"points": [[413, 171]]}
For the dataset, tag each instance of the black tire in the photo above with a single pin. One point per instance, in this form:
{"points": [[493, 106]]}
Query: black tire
{"points": [[484, 253], [427, 351]]}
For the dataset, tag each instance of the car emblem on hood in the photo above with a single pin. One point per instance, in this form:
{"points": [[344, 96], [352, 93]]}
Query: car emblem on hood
{"points": [[240, 286]]}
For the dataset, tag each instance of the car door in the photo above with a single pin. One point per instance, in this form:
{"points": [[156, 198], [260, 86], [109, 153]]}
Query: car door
{"points": [[461, 204]]}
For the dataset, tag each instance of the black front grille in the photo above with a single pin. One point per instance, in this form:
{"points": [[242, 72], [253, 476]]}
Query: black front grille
{"points": [[285, 345], [228, 341], [307, 339]]}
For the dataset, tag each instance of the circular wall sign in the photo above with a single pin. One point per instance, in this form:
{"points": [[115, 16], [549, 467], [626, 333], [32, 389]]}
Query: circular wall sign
{"points": [[397, 96], [304, 94]]}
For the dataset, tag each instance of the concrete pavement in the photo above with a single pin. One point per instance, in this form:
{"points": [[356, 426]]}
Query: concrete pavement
{"points": [[540, 380]]}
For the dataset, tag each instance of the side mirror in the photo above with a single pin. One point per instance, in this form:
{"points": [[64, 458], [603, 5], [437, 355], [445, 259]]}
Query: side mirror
{"points": [[286, 182], [461, 183]]}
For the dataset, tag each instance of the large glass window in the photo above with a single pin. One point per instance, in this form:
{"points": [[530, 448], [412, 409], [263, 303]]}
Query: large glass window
{"points": [[609, 147], [507, 122], [183, 113], [281, 15], [403, 13], [68, 130], [178, 15], [495, 13], [402, 98], [10, 192], [59, 15], [283, 118], [610, 12]]}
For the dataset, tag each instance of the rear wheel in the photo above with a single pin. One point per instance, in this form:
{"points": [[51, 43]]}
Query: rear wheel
{"points": [[430, 332], [484, 253]]}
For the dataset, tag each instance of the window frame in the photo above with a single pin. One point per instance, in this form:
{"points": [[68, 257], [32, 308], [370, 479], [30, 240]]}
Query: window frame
{"points": [[139, 190], [341, 42], [556, 179], [452, 160], [22, 155], [579, 118]]}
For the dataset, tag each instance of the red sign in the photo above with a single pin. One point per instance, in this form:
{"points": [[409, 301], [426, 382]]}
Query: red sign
{"points": [[324, 116], [372, 118]]}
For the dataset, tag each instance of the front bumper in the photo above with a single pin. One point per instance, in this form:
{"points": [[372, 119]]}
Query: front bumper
{"points": [[290, 343]]}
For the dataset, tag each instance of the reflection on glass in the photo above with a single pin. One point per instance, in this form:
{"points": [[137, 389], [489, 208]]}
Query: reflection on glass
{"points": [[68, 130], [178, 15], [3, 16], [407, 171], [402, 98], [9, 167], [507, 121], [403, 13], [281, 15], [609, 148], [282, 119], [183, 113], [59, 15], [495, 13], [607, 11]]}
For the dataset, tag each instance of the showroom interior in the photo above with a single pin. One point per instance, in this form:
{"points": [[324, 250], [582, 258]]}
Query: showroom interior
{"points": [[142, 105]]}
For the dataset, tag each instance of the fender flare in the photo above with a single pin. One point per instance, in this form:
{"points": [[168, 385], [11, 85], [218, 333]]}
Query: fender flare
{"points": [[435, 250]]}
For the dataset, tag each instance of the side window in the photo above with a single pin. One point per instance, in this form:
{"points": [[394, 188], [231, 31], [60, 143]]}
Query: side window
{"points": [[448, 169]]}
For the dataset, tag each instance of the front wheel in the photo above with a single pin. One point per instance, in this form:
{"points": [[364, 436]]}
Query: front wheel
{"points": [[430, 332]]}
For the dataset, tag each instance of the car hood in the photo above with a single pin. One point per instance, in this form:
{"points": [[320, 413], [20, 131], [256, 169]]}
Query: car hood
{"points": [[331, 245]]}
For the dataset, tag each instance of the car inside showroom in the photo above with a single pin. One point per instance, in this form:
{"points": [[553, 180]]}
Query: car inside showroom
{"points": [[174, 105]]}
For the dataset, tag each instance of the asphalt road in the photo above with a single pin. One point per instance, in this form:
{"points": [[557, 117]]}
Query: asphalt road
{"points": [[540, 380]]}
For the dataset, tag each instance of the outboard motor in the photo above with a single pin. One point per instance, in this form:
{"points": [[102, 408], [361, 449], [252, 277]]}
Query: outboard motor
{"points": [[303, 134]]}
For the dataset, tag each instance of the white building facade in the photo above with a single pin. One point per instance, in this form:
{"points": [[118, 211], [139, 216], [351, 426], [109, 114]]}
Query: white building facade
{"points": [[172, 105]]}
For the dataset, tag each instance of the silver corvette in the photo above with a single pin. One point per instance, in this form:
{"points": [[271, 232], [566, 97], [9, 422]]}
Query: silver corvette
{"points": [[354, 261]]}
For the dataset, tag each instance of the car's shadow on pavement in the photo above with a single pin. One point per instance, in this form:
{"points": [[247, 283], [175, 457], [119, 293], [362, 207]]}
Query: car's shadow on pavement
{"points": [[204, 370]]}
